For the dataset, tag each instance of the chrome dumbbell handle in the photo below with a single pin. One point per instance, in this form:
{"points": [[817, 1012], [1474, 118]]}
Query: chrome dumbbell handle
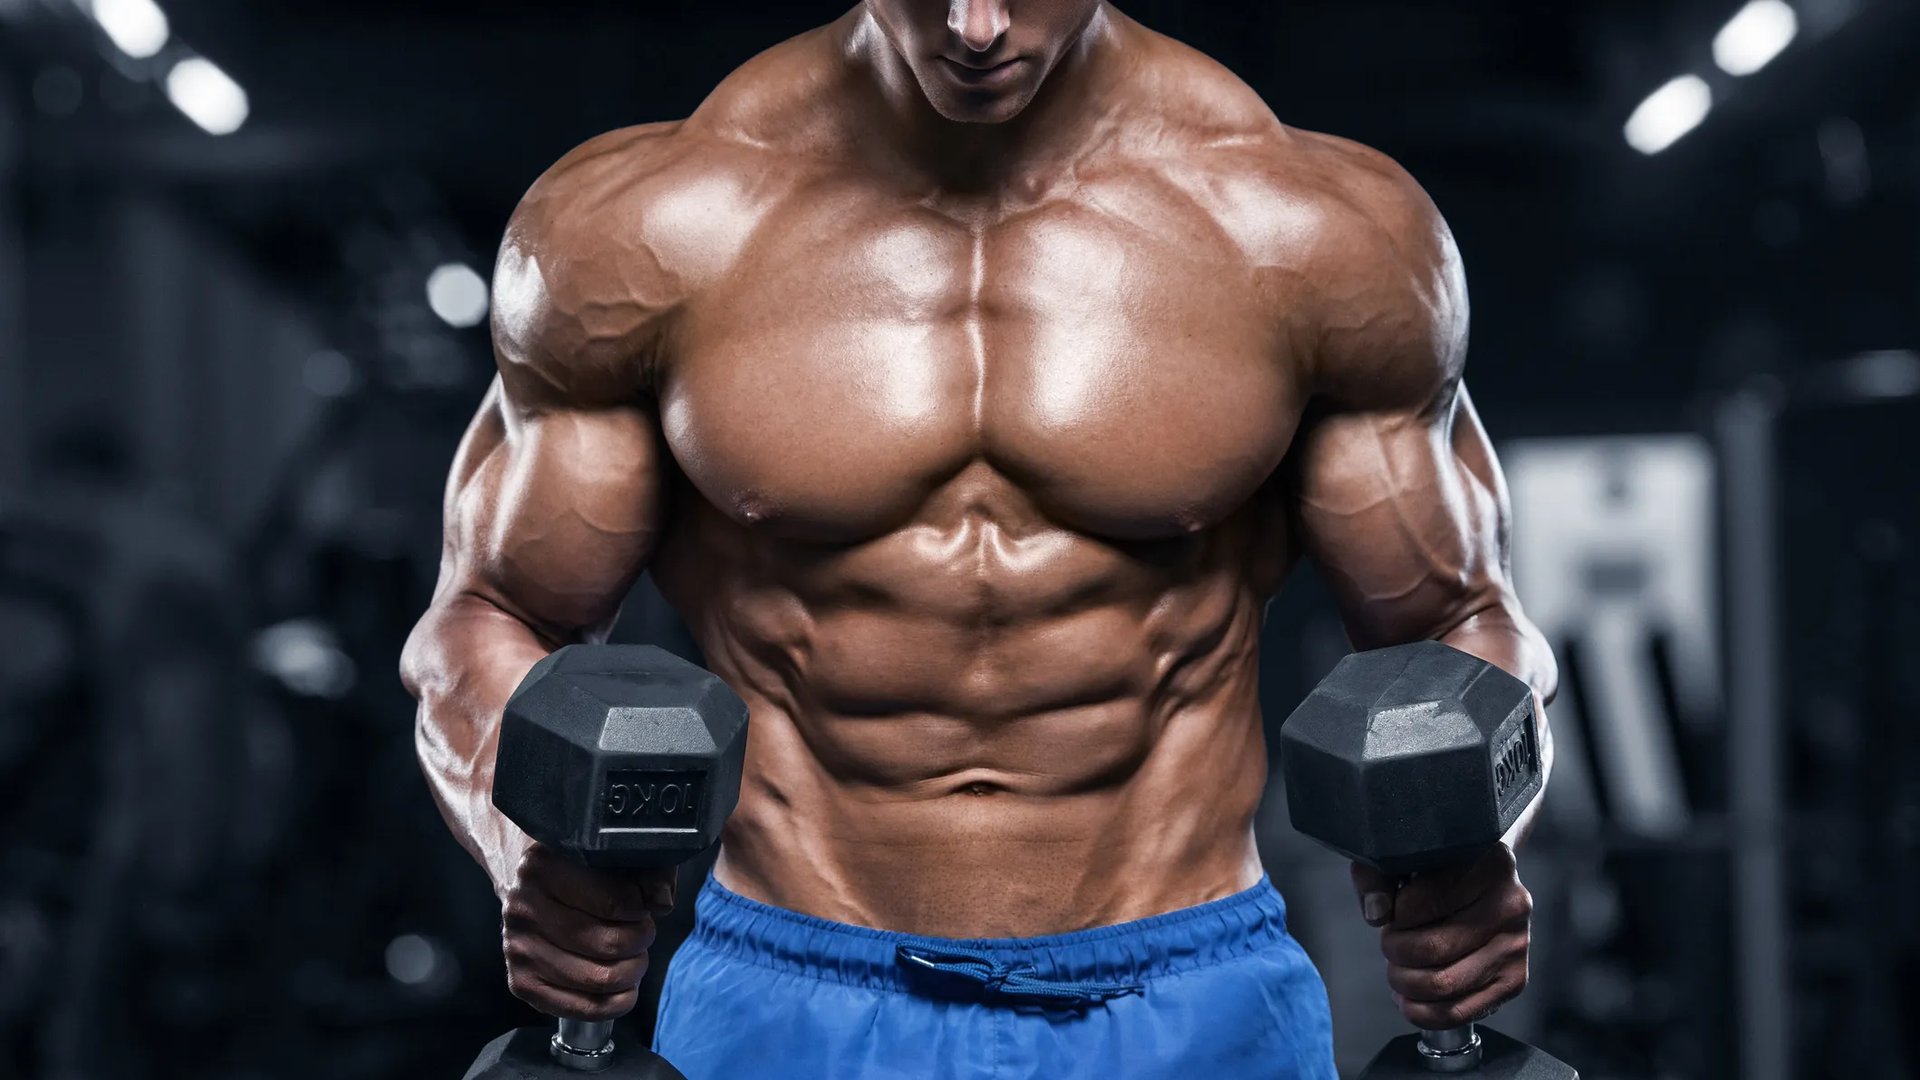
{"points": [[1452, 1050], [584, 1045]]}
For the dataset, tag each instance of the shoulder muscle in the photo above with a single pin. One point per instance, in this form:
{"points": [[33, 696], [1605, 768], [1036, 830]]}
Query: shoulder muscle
{"points": [[1388, 292], [1389, 285], [578, 292]]}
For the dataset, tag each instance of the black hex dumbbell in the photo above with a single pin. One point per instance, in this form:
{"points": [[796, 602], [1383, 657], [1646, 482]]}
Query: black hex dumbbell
{"points": [[1411, 759], [621, 757]]}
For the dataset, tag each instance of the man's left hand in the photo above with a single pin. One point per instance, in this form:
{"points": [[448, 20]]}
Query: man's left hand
{"points": [[1455, 940]]}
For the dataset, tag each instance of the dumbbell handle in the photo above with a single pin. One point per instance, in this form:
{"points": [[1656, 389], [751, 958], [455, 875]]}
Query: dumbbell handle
{"points": [[1451, 1050], [583, 1045]]}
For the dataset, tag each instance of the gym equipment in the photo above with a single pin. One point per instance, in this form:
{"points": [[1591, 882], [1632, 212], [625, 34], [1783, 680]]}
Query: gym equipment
{"points": [[119, 621], [1410, 759], [621, 757]]}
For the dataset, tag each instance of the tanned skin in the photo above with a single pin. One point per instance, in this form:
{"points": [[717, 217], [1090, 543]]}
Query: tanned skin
{"points": [[970, 381]]}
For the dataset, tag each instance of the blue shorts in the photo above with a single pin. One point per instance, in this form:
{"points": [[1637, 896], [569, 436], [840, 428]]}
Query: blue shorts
{"points": [[1219, 991]]}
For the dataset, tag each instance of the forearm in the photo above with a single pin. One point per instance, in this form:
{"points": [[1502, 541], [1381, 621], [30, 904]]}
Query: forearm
{"points": [[1503, 637], [462, 662]]}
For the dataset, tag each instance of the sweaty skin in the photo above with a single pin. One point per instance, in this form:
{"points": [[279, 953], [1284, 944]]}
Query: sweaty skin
{"points": [[971, 456]]}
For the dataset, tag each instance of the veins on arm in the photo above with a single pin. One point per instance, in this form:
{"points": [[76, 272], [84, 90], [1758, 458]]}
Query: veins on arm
{"points": [[563, 500], [1398, 495], [556, 497]]}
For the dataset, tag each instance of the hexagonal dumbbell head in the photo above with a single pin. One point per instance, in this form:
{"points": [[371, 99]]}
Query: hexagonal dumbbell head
{"points": [[621, 756], [1411, 758]]}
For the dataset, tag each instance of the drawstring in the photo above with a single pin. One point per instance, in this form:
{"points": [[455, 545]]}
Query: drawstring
{"points": [[1010, 980]]}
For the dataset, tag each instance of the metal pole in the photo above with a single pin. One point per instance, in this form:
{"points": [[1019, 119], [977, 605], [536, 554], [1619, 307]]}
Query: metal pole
{"points": [[1746, 425]]}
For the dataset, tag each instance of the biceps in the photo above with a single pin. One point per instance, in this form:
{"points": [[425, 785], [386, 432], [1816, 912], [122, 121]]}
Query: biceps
{"points": [[1406, 514], [553, 516]]}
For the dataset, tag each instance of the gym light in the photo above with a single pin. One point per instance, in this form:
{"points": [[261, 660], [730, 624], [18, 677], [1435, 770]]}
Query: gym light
{"points": [[207, 95], [1667, 115], [1754, 36], [136, 27], [457, 294]]}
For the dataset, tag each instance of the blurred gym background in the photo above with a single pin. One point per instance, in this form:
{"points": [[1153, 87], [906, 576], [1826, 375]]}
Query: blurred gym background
{"points": [[242, 323]]}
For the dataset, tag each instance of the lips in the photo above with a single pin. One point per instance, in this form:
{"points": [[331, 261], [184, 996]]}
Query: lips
{"points": [[978, 76]]}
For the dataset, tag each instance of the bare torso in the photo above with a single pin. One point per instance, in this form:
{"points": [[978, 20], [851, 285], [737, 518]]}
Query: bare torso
{"points": [[976, 490], [975, 524]]}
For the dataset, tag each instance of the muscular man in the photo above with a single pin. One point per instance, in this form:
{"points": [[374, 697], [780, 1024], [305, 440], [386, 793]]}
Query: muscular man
{"points": [[970, 375]]}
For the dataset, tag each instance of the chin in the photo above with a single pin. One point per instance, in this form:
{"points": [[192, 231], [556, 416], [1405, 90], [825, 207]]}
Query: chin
{"points": [[964, 107]]}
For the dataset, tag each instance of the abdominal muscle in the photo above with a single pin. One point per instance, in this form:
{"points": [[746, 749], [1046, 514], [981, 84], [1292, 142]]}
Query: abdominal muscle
{"points": [[965, 730]]}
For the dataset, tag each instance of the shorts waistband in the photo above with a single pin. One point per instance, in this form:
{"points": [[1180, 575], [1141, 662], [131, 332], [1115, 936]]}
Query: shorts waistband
{"points": [[1117, 958]]}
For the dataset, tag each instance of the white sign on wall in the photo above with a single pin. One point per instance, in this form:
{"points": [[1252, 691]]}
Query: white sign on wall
{"points": [[1613, 549]]}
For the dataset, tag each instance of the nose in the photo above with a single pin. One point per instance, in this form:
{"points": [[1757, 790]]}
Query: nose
{"points": [[979, 23]]}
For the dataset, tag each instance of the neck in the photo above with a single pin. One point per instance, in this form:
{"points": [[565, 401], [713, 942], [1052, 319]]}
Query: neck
{"points": [[958, 154]]}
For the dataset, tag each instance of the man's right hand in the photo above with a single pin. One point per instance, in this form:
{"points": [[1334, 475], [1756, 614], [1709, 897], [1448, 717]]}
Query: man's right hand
{"points": [[576, 938]]}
